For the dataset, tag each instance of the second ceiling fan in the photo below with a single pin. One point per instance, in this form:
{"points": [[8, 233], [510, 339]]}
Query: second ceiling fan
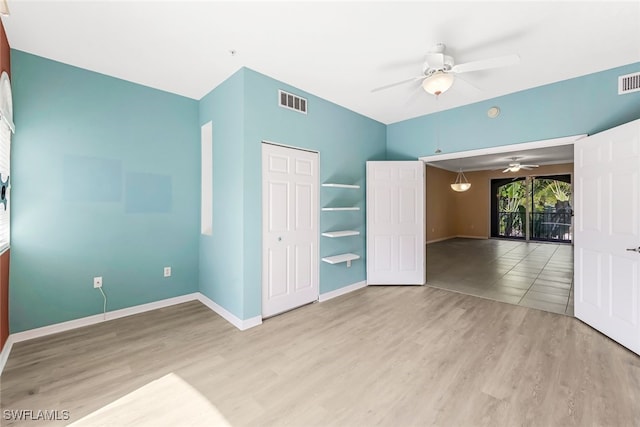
{"points": [[515, 166], [439, 69]]}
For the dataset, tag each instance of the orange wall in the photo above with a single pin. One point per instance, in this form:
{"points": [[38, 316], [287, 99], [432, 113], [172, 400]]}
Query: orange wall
{"points": [[5, 53], [5, 65], [441, 204], [468, 214]]}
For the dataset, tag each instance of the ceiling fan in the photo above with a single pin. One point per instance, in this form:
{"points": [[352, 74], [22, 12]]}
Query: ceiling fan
{"points": [[439, 69], [516, 166]]}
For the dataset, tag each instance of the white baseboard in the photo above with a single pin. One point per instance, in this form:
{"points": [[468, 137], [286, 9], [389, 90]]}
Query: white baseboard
{"points": [[459, 236], [441, 239], [4, 354], [251, 322], [228, 316], [129, 311], [98, 318], [110, 315], [344, 290]]}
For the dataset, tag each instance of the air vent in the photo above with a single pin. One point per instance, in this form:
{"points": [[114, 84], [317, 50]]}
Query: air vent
{"points": [[292, 102], [629, 83]]}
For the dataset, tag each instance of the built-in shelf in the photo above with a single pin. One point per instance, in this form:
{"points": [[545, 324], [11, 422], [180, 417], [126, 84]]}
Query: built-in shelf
{"points": [[337, 259], [350, 208], [343, 233], [332, 184], [348, 257]]}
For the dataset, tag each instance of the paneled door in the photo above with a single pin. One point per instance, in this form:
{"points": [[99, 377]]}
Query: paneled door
{"points": [[396, 252], [289, 228], [607, 234]]}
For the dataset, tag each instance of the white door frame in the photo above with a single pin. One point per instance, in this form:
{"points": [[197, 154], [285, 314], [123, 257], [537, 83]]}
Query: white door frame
{"points": [[544, 143], [316, 219]]}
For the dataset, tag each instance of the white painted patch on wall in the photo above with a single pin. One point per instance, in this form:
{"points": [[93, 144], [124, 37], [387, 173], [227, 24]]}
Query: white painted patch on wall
{"points": [[629, 83], [206, 173]]}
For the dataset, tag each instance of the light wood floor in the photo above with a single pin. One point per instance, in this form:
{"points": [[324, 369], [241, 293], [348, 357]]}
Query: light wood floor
{"points": [[389, 356]]}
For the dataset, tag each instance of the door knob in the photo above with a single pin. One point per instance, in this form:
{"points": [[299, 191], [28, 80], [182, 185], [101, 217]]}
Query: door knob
{"points": [[634, 249]]}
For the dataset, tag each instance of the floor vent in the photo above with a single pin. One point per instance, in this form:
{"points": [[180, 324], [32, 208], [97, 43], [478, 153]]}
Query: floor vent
{"points": [[629, 83], [292, 102]]}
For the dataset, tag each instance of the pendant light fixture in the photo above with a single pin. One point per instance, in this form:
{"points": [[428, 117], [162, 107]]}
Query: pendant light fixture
{"points": [[462, 183]]}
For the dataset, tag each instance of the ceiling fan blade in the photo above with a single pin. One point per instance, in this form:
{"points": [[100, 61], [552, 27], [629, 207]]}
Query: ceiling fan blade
{"points": [[506, 170], [397, 84], [484, 64], [416, 93], [470, 87], [529, 166], [435, 60]]}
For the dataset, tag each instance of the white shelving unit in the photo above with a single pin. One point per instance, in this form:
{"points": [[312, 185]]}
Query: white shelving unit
{"points": [[347, 257], [345, 208], [337, 259], [342, 233], [335, 185]]}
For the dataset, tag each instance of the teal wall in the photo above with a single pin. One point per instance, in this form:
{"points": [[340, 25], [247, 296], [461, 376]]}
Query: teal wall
{"points": [[106, 179], [104, 183], [244, 112], [345, 141], [222, 254], [583, 105]]}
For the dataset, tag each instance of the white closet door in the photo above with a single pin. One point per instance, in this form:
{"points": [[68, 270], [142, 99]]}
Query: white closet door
{"points": [[396, 223], [607, 233], [289, 228]]}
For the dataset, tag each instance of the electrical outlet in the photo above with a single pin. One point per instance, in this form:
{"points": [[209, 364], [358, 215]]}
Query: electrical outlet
{"points": [[97, 282], [167, 272]]}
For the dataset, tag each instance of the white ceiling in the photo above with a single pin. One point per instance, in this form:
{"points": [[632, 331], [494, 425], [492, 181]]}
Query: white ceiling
{"points": [[339, 51]]}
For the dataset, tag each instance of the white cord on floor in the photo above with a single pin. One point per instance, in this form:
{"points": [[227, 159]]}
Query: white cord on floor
{"points": [[104, 307]]}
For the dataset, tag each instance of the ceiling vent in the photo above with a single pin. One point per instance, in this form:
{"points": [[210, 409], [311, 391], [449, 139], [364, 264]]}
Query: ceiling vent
{"points": [[629, 83], [292, 102]]}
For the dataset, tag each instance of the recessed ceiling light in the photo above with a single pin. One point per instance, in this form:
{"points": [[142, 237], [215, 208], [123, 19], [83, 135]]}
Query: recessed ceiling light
{"points": [[493, 112]]}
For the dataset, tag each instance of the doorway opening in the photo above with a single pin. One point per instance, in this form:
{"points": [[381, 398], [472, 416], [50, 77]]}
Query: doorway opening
{"points": [[533, 266]]}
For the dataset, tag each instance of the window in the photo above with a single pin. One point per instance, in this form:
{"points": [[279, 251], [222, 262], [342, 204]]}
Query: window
{"points": [[6, 128]]}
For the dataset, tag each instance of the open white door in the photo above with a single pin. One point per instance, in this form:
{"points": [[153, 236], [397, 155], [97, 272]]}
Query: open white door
{"points": [[289, 228], [607, 233], [396, 223]]}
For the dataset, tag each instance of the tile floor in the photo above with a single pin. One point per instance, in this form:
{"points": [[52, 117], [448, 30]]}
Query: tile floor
{"points": [[531, 274]]}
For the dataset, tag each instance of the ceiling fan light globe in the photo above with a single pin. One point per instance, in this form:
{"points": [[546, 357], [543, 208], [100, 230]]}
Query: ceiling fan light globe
{"points": [[437, 83], [461, 186]]}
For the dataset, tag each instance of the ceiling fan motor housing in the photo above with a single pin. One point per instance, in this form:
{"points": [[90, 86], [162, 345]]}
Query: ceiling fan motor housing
{"points": [[448, 64]]}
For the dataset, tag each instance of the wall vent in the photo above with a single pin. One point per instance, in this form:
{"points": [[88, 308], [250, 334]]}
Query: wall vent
{"points": [[292, 102], [629, 83]]}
